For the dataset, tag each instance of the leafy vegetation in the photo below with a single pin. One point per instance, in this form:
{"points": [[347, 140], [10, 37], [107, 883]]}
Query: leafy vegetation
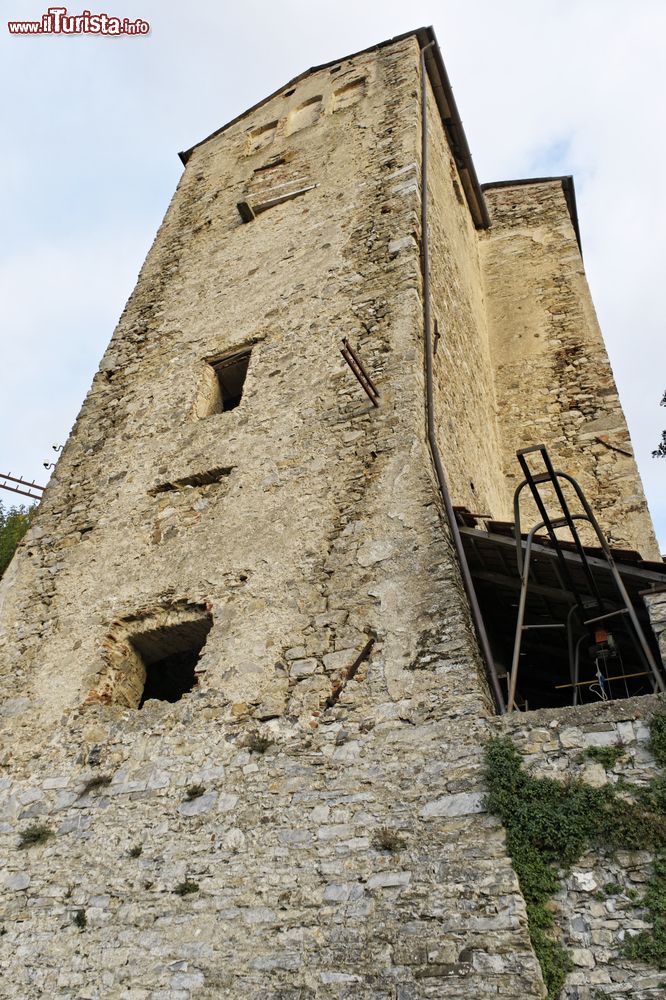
{"points": [[194, 792], [550, 824], [34, 835], [14, 522], [658, 739], [606, 756], [186, 887], [650, 945]]}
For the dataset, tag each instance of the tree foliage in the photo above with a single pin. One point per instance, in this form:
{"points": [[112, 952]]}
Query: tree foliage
{"points": [[14, 522], [660, 450]]}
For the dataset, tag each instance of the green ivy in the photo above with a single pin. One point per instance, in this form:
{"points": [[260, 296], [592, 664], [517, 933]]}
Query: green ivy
{"points": [[550, 824], [650, 946], [658, 739], [606, 756]]}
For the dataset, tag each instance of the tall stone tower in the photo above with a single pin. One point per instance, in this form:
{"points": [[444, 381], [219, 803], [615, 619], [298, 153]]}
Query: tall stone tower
{"points": [[246, 681]]}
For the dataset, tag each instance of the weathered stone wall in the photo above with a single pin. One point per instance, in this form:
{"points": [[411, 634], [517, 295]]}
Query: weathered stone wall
{"points": [[656, 605], [554, 383], [336, 729], [463, 372], [601, 901]]}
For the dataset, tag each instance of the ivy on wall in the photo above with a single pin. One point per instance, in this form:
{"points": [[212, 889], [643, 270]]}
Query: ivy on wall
{"points": [[550, 824]]}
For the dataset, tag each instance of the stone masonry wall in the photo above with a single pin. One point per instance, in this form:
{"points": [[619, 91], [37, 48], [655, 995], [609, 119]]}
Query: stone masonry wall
{"points": [[601, 898], [463, 371], [554, 383], [335, 845]]}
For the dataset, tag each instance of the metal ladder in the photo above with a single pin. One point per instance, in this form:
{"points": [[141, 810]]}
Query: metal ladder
{"points": [[593, 609]]}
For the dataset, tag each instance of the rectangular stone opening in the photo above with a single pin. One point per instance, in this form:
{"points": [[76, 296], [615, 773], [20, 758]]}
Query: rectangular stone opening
{"points": [[169, 655], [231, 373], [153, 653]]}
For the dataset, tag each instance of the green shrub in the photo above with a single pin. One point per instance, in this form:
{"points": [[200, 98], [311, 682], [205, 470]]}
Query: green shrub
{"points": [[606, 756], [186, 887], [34, 835], [194, 792]]}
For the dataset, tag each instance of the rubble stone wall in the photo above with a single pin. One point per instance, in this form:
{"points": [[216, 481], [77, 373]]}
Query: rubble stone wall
{"points": [[554, 382], [307, 820], [601, 901]]}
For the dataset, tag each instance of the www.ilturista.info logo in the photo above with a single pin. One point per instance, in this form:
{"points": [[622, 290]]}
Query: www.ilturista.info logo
{"points": [[57, 21]]}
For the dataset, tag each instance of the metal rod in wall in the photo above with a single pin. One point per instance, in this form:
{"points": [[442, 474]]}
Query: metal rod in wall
{"points": [[348, 347], [361, 377], [477, 617]]}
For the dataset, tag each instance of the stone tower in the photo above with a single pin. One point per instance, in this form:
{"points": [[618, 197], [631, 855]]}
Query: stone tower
{"points": [[241, 684]]}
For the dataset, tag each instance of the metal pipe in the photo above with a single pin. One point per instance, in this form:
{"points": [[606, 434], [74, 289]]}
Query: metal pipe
{"points": [[432, 440], [517, 642], [576, 683]]}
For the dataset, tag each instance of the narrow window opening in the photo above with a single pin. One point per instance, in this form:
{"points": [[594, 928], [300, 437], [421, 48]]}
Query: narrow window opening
{"points": [[196, 481], [220, 388], [231, 373], [277, 161], [170, 655]]}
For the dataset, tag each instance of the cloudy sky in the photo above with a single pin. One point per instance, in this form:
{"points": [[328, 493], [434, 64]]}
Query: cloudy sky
{"points": [[91, 128]]}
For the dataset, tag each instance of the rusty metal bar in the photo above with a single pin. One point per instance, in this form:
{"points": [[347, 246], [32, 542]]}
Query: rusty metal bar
{"points": [[359, 363], [22, 482], [359, 377], [13, 489], [618, 677], [360, 374]]}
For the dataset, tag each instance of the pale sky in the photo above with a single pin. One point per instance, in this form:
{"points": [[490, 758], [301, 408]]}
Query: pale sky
{"points": [[91, 128]]}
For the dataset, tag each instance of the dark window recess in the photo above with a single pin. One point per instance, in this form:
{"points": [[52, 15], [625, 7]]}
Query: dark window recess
{"points": [[231, 373], [170, 655], [198, 480], [276, 161]]}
